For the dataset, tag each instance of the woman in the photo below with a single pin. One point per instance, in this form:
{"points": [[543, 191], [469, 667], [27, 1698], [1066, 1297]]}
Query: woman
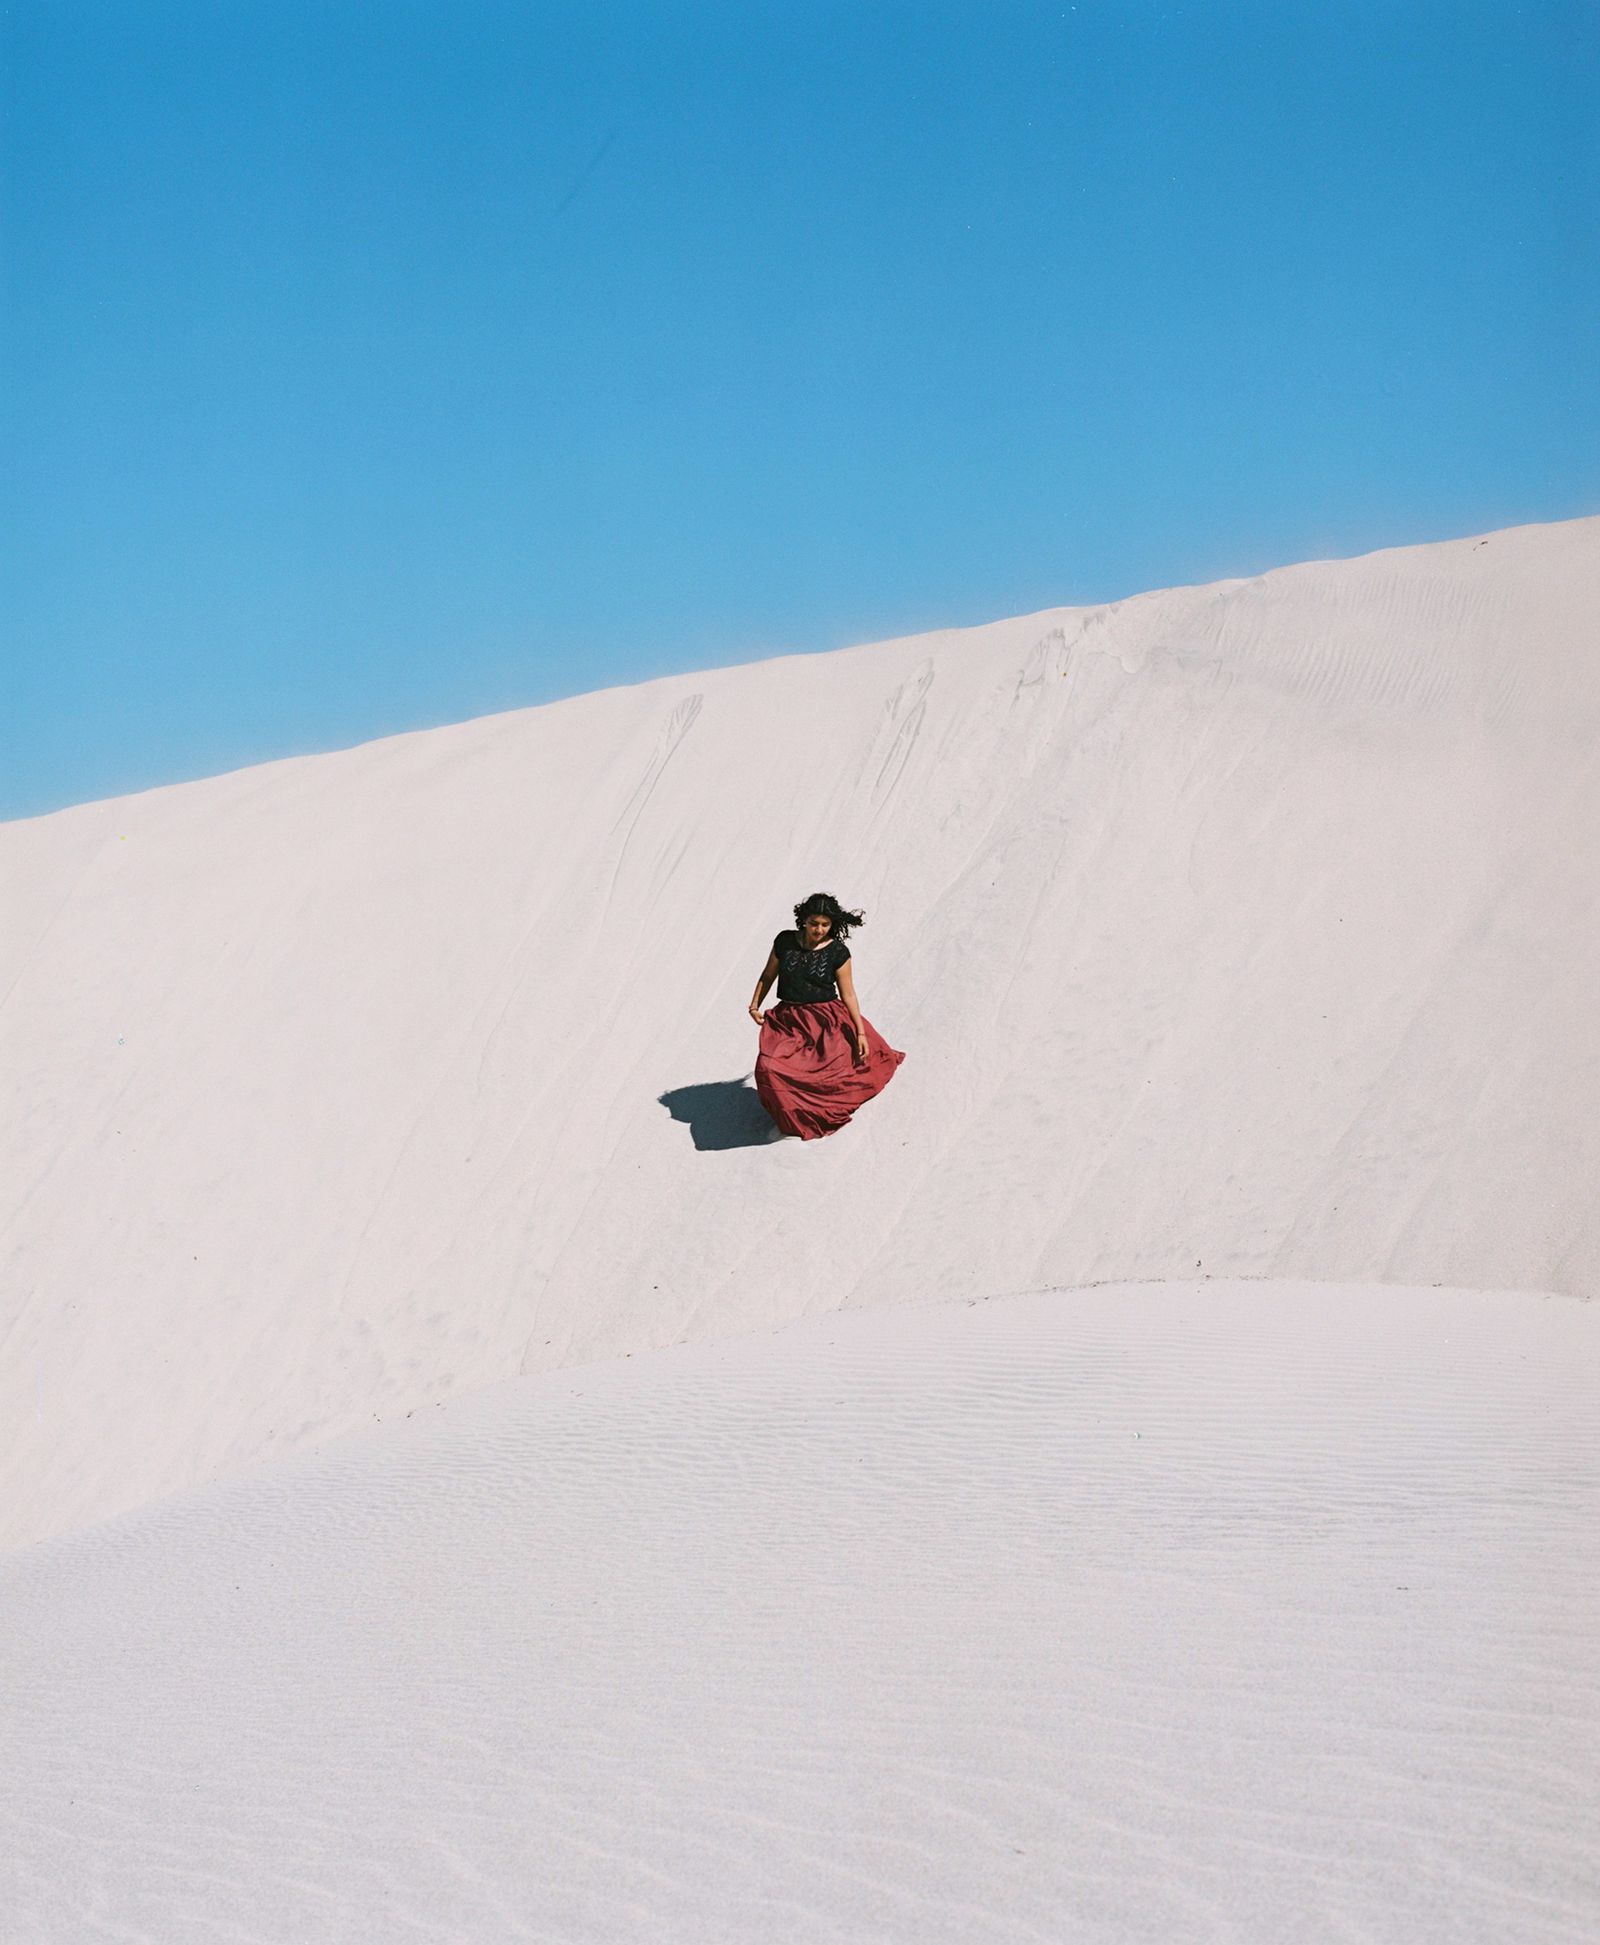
{"points": [[819, 1060]]}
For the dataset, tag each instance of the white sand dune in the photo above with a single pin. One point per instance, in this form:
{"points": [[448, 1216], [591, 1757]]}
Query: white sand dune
{"points": [[1205, 1612], [1247, 930], [1236, 936]]}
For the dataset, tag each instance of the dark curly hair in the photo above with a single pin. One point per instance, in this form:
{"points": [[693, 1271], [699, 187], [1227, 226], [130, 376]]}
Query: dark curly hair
{"points": [[823, 904]]}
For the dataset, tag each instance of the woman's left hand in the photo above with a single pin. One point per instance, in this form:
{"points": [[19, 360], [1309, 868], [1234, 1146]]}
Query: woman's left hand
{"points": [[861, 1050]]}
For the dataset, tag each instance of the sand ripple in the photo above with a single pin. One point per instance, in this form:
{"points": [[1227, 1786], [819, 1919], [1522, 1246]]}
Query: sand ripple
{"points": [[1225, 1612]]}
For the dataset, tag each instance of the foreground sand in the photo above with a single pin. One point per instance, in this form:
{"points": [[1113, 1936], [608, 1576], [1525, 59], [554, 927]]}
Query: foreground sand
{"points": [[1234, 1612]]}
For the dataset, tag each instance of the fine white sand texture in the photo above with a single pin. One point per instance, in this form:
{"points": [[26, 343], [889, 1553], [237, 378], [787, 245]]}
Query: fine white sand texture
{"points": [[1246, 930], [1185, 1612]]}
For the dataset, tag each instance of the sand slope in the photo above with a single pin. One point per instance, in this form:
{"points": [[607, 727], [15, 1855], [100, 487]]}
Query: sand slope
{"points": [[1246, 930], [1220, 1612]]}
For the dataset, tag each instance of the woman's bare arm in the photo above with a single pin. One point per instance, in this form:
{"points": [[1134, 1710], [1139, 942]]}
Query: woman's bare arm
{"points": [[769, 973]]}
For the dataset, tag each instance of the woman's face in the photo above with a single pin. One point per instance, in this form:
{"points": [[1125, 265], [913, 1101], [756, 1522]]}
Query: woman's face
{"points": [[817, 927]]}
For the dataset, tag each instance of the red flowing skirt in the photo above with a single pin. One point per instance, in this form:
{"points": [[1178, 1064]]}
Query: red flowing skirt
{"points": [[806, 1072]]}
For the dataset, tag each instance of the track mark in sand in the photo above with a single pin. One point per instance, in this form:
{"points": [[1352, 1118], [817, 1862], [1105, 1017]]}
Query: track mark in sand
{"points": [[1048, 658], [897, 738], [677, 726], [684, 716], [1099, 632]]}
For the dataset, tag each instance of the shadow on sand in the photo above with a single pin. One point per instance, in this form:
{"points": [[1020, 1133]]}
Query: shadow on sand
{"points": [[721, 1114]]}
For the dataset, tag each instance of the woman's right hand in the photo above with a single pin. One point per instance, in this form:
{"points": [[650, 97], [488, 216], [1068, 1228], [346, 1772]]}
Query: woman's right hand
{"points": [[757, 1015]]}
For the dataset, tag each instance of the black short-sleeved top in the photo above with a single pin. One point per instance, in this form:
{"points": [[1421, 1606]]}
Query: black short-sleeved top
{"points": [[809, 977]]}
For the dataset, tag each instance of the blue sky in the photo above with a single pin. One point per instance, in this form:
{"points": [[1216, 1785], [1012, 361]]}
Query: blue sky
{"points": [[372, 366]]}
